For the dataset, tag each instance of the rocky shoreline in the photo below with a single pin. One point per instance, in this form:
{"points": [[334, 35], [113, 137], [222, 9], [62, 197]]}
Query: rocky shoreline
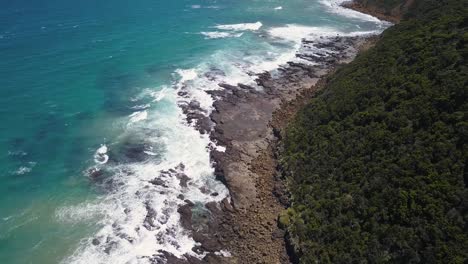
{"points": [[248, 122]]}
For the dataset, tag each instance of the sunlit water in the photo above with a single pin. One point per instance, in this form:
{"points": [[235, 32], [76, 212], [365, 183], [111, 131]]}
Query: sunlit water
{"points": [[94, 86]]}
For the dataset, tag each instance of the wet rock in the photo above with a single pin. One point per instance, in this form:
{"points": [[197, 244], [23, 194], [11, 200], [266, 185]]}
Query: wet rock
{"points": [[240, 119], [95, 241], [135, 152], [213, 208], [194, 105], [158, 182], [183, 179], [263, 79], [168, 258], [196, 116], [95, 173], [227, 86], [111, 245], [214, 74], [207, 243], [185, 212], [164, 217], [204, 190], [132, 150], [246, 87], [182, 93], [180, 167], [149, 222], [227, 205]]}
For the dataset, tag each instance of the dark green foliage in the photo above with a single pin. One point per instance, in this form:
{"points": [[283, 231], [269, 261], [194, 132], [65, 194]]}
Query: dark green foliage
{"points": [[382, 4], [387, 7], [377, 161]]}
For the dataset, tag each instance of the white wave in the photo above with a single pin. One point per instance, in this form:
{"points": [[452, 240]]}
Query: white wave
{"points": [[207, 7], [138, 116], [101, 157], [223, 253], [278, 8], [241, 27], [25, 169], [17, 153], [80, 213], [102, 150], [159, 95], [219, 34], [186, 75], [22, 170], [296, 33], [141, 107], [150, 153], [221, 148], [7, 217], [123, 212]]}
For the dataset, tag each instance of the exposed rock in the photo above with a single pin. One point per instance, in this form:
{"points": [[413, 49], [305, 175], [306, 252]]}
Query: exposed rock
{"points": [[185, 212], [95, 173], [95, 241], [158, 181], [247, 123], [149, 222], [227, 86], [183, 179], [247, 120]]}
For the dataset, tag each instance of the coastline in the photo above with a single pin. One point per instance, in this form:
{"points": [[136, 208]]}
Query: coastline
{"points": [[249, 123], [235, 132], [251, 157]]}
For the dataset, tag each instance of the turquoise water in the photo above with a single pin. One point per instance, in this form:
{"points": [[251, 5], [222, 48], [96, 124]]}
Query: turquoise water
{"points": [[84, 82]]}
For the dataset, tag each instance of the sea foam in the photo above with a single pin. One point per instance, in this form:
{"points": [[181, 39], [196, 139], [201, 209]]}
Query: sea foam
{"points": [[138, 218], [220, 34], [241, 27], [138, 116]]}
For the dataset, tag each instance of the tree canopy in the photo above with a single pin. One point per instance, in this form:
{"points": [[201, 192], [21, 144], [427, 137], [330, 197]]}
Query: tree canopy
{"points": [[376, 163]]}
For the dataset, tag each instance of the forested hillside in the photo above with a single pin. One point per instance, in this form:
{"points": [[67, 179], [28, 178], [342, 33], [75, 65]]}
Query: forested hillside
{"points": [[387, 9], [376, 163]]}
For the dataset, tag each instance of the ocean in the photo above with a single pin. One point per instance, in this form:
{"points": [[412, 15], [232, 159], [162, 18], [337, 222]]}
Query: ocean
{"points": [[94, 143]]}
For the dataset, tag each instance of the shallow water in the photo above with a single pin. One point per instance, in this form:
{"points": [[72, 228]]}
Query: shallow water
{"points": [[90, 95]]}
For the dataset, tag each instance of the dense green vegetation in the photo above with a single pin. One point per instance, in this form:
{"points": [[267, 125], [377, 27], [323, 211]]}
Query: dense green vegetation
{"points": [[386, 5], [376, 163], [392, 8]]}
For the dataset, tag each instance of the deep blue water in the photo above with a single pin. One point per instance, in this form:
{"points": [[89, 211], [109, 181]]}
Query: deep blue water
{"points": [[76, 76]]}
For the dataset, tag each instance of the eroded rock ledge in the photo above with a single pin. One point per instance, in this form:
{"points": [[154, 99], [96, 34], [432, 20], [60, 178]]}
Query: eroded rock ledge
{"points": [[247, 121]]}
